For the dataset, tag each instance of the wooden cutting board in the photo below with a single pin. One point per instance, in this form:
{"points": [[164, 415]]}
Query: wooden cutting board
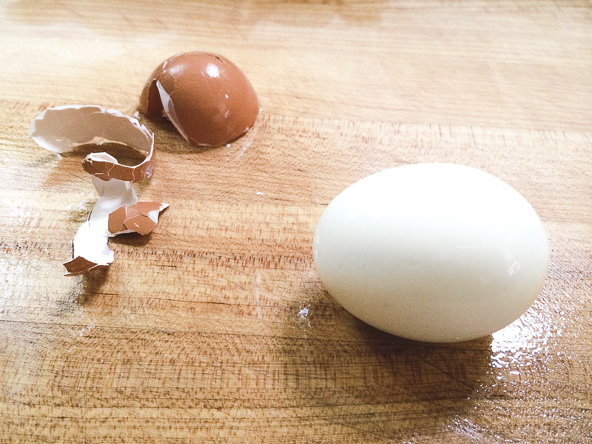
{"points": [[216, 328]]}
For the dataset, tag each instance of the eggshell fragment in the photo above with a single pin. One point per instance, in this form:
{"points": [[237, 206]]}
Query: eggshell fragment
{"points": [[432, 252], [62, 129], [206, 96], [79, 265], [140, 218]]}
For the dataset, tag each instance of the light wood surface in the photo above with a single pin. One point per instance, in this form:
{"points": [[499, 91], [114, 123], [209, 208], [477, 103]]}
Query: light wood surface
{"points": [[197, 332]]}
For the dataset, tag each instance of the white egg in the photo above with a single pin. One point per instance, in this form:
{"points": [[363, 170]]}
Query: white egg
{"points": [[432, 252]]}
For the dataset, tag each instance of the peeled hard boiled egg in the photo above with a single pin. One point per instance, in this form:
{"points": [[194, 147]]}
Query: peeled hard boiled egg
{"points": [[432, 252]]}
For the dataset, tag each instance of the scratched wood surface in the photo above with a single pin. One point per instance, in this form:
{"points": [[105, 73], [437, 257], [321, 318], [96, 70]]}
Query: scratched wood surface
{"points": [[216, 328]]}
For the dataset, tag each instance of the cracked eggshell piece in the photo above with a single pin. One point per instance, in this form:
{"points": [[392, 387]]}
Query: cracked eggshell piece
{"points": [[80, 265], [140, 218], [206, 96], [91, 239], [62, 129]]}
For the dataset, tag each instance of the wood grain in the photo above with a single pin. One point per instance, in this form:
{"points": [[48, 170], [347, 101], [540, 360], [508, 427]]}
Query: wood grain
{"points": [[197, 333]]}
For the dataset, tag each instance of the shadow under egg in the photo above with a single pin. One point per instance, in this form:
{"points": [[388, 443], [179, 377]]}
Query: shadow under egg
{"points": [[382, 386]]}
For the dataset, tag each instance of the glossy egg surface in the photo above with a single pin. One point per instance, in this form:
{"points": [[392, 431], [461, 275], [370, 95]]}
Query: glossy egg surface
{"points": [[432, 252], [206, 96]]}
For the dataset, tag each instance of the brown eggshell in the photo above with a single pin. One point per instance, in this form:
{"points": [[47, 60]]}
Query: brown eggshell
{"points": [[206, 96], [115, 222], [134, 218], [150, 103], [79, 265], [139, 223]]}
